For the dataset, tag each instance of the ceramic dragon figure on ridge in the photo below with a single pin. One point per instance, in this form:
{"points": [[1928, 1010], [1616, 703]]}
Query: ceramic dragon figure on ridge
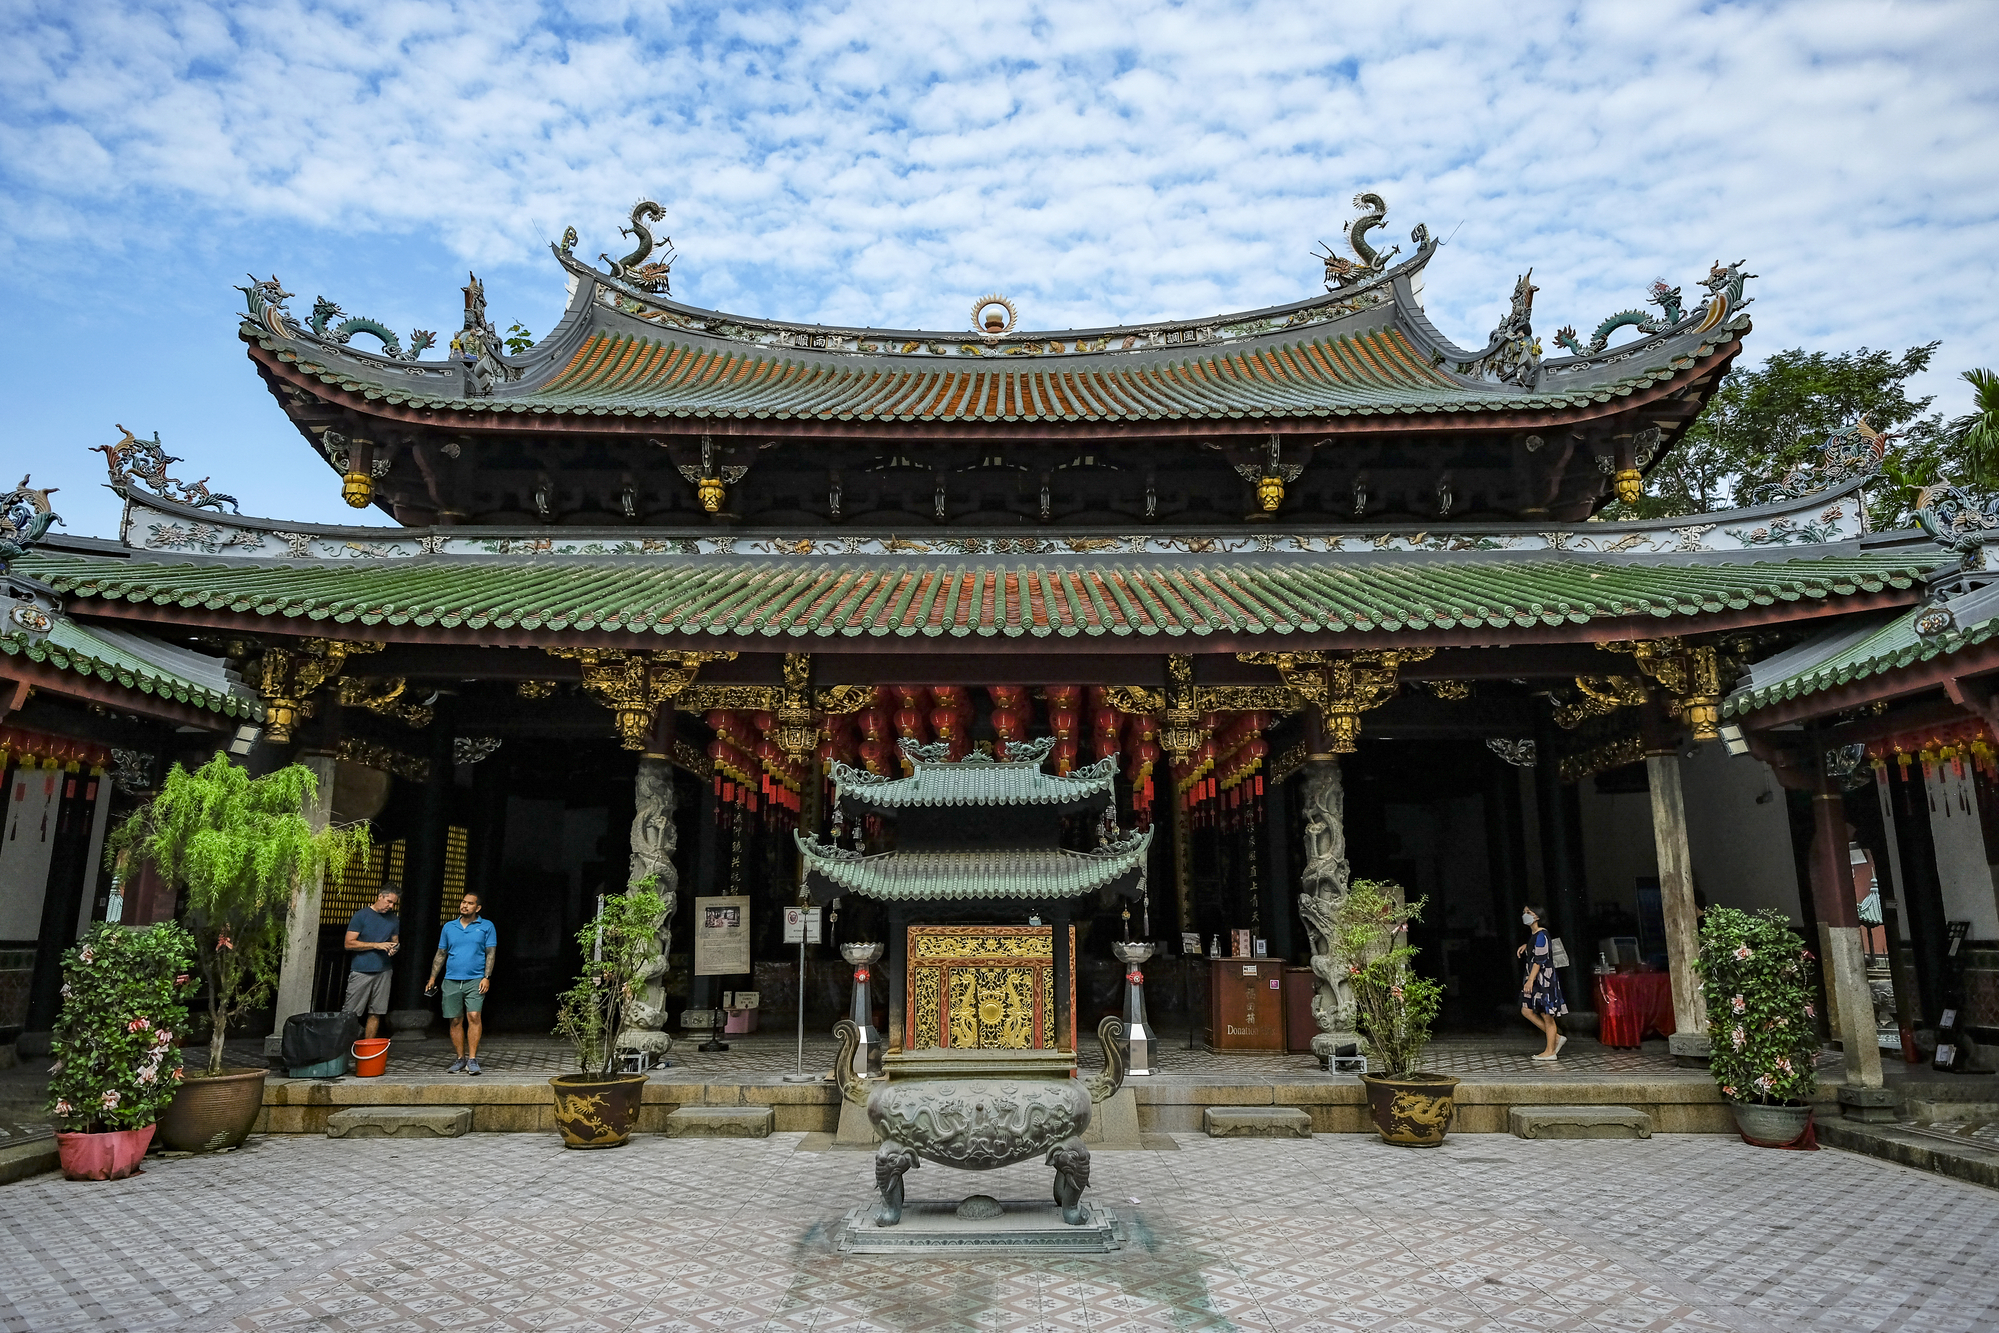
{"points": [[133, 459], [25, 516], [1368, 262], [325, 312], [634, 268], [1724, 284]]}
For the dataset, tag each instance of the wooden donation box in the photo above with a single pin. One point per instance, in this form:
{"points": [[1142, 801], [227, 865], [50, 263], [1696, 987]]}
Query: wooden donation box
{"points": [[1246, 1004]]}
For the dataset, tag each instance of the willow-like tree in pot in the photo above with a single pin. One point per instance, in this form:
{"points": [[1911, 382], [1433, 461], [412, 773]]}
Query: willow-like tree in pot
{"points": [[616, 947], [1393, 1006], [238, 849]]}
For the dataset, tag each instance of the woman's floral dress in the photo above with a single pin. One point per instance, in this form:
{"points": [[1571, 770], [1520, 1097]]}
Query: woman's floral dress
{"points": [[1545, 996]]}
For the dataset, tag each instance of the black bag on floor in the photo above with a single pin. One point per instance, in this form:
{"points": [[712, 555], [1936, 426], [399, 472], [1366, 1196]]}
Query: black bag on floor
{"points": [[312, 1039]]}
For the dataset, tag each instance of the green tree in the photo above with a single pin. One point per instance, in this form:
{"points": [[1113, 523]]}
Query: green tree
{"points": [[616, 948], [239, 848], [1763, 422], [1978, 431]]}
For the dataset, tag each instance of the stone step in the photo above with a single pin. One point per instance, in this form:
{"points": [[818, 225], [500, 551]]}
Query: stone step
{"points": [[1578, 1122], [1256, 1122], [399, 1122], [721, 1122]]}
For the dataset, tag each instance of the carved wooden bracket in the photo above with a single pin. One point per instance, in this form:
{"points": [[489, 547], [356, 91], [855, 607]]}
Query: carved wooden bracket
{"points": [[287, 678], [636, 685]]}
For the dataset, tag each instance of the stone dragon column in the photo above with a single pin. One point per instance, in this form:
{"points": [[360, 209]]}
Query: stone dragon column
{"points": [[654, 839]]}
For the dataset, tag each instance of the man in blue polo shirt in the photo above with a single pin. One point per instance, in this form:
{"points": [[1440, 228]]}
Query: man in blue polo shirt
{"points": [[465, 950]]}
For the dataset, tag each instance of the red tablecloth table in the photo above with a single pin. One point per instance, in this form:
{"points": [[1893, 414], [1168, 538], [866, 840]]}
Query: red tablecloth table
{"points": [[1632, 1004]]}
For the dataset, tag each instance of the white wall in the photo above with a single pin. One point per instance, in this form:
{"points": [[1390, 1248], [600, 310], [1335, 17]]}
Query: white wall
{"points": [[1741, 849], [1618, 849], [1962, 861], [27, 842]]}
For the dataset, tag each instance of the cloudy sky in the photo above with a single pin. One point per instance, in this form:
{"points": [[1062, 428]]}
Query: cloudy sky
{"points": [[886, 163]]}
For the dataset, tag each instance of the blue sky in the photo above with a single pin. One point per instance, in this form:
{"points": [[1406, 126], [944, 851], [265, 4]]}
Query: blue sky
{"points": [[887, 163]]}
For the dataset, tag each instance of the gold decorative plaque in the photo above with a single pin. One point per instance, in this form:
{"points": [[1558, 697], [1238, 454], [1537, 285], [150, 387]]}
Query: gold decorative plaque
{"points": [[985, 988]]}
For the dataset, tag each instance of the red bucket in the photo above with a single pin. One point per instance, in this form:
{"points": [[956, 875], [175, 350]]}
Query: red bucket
{"points": [[371, 1057]]}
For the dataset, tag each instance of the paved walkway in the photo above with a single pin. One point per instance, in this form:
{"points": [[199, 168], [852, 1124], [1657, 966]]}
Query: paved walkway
{"points": [[763, 1056], [1341, 1233]]}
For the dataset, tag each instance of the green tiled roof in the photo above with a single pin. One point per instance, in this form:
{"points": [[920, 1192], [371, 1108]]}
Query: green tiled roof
{"points": [[1039, 873], [974, 781], [120, 659], [1845, 659], [945, 597], [614, 373]]}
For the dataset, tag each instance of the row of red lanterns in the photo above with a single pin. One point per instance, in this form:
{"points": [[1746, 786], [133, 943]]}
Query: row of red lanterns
{"points": [[37, 748], [751, 770]]}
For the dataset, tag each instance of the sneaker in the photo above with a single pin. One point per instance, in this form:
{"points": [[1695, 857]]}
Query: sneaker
{"points": [[471, 1066], [1559, 1043], [1541, 1057], [457, 1066]]}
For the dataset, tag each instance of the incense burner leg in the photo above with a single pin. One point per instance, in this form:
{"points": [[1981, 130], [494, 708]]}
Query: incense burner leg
{"points": [[1071, 1161], [891, 1161]]}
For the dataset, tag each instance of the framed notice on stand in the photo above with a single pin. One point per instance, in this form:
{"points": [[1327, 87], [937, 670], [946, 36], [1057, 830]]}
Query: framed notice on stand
{"points": [[721, 937]]}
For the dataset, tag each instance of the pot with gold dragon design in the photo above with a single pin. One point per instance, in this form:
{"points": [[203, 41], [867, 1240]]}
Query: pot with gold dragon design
{"points": [[1414, 1109], [981, 1109], [597, 1110]]}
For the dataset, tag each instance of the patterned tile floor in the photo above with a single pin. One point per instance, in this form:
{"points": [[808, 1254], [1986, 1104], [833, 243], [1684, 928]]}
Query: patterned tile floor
{"points": [[510, 1232], [766, 1054]]}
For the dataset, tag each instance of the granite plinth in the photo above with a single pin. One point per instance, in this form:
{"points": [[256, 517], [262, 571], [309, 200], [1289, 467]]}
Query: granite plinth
{"points": [[1024, 1226], [720, 1122], [399, 1122], [1578, 1122], [1257, 1122]]}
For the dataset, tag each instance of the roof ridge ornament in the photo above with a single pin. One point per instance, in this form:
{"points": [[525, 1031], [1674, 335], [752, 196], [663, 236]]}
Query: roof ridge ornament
{"points": [[133, 460], [1849, 452], [1513, 354], [1343, 272], [25, 516], [637, 269], [1724, 284], [991, 328]]}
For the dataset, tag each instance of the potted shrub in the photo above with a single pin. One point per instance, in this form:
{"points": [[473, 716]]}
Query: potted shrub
{"points": [[117, 1047], [239, 848], [597, 1107], [1393, 1010], [1763, 1034]]}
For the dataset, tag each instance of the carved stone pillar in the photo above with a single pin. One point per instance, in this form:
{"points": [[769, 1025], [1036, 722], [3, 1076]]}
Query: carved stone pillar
{"points": [[1324, 881], [302, 921], [654, 839]]}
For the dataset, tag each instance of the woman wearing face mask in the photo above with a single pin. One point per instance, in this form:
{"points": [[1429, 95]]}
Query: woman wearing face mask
{"points": [[1541, 992]]}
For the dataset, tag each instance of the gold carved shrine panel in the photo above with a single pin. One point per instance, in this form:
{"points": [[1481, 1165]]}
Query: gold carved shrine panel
{"points": [[985, 988]]}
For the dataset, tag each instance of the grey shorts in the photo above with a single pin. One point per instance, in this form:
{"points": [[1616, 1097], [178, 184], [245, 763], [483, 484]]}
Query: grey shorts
{"points": [[367, 993]]}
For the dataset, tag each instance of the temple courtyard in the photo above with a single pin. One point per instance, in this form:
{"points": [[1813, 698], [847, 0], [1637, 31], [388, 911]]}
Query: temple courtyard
{"points": [[1341, 1232]]}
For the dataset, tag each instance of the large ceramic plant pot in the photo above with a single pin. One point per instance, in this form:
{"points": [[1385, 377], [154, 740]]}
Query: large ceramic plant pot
{"points": [[1770, 1126], [109, 1156], [597, 1110], [1413, 1110], [212, 1111]]}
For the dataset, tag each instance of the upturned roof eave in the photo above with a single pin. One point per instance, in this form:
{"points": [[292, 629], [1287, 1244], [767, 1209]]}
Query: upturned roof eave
{"points": [[506, 415]]}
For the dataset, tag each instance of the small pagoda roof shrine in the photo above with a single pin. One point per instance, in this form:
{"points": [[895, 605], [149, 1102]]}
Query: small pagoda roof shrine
{"points": [[936, 782], [976, 829]]}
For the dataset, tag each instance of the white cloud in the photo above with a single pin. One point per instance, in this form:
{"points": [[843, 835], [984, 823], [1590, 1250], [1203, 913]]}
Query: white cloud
{"points": [[884, 164]]}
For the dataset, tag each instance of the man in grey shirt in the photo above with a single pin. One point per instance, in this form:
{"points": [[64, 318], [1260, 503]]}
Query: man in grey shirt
{"points": [[373, 935]]}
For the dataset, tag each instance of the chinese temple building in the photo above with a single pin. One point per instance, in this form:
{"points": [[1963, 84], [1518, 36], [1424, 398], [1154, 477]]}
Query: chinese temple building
{"points": [[1332, 588]]}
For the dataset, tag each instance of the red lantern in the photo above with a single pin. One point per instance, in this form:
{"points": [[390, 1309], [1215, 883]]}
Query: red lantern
{"points": [[944, 723]]}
